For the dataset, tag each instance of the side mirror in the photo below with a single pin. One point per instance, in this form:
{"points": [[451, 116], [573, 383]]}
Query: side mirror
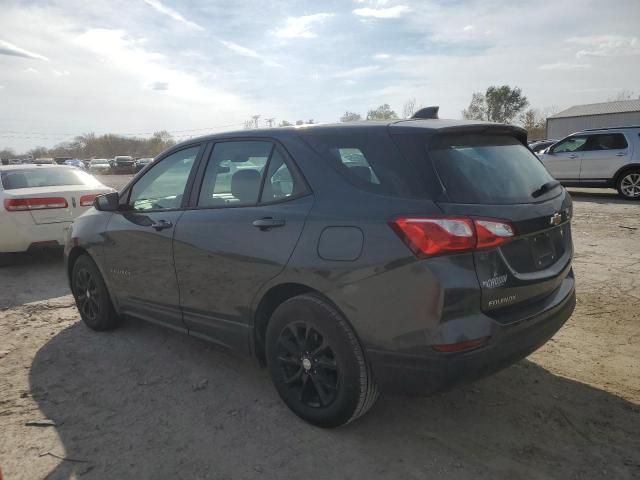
{"points": [[107, 203]]}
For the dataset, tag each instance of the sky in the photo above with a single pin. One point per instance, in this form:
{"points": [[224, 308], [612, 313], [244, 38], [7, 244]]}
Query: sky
{"points": [[69, 67]]}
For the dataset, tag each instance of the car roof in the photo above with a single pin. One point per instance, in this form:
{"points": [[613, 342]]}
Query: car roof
{"points": [[396, 126]]}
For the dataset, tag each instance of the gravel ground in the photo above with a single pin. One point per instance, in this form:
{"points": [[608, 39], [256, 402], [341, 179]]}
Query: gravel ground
{"points": [[144, 402]]}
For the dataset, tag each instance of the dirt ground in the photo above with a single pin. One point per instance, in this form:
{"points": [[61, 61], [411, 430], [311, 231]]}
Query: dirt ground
{"points": [[143, 402]]}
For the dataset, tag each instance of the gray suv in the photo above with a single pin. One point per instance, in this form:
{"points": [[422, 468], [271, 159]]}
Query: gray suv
{"points": [[600, 158], [403, 256]]}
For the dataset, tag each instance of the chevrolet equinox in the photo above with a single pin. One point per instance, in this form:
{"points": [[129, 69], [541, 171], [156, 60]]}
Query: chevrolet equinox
{"points": [[404, 256]]}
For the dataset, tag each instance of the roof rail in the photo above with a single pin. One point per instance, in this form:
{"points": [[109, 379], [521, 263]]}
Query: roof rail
{"points": [[609, 128], [426, 113]]}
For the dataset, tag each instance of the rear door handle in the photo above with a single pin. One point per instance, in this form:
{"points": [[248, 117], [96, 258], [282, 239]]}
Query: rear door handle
{"points": [[573, 155], [268, 222], [620, 154], [161, 225]]}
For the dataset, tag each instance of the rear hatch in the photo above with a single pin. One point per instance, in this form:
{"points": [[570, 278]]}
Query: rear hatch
{"points": [[492, 175]]}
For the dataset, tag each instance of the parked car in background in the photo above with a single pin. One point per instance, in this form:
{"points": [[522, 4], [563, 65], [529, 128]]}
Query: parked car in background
{"points": [[541, 145], [598, 158], [100, 166], [38, 203], [404, 256], [142, 162], [43, 161], [123, 164], [75, 163], [62, 160]]}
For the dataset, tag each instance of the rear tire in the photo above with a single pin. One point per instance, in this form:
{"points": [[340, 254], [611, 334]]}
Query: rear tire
{"points": [[628, 184], [91, 295], [317, 364]]}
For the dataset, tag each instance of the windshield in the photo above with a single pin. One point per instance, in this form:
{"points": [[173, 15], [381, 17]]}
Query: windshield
{"points": [[488, 169], [45, 177]]}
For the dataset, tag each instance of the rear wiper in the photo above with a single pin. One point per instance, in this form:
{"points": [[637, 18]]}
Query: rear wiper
{"points": [[544, 188]]}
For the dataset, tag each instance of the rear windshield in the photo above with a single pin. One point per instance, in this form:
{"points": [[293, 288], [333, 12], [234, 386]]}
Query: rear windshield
{"points": [[369, 161], [487, 169], [45, 177]]}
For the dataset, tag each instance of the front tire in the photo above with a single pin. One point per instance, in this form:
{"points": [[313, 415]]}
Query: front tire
{"points": [[91, 295], [629, 185], [317, 364]]}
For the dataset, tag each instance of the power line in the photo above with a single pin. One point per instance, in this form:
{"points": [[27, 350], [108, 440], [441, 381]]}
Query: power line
{"points": [[46, 136]]}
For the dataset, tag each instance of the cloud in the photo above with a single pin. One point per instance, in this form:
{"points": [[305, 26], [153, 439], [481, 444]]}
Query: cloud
{"points": [[171, 13], [389, 12], [356, 72], [381, 56], [300, 27], [606, 46], [247, 52], [12, 50], [159, 86], [31, 70], [565, 66], [60, 73], [468, 28]]}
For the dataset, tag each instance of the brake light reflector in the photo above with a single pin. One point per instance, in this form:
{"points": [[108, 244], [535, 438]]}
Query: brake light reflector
{"points": [[25, 204], [431, 236], [87, 200]]}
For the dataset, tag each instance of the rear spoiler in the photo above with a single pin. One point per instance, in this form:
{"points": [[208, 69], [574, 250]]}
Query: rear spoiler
{"points": [[493, 129]]}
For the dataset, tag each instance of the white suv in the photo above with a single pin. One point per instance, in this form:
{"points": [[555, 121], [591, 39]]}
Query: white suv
{"points": [[602, 158]]}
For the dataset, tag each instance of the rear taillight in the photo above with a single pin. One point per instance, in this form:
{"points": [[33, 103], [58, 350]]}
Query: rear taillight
{"points": [[87, 200], [431, 236], [25, 204]]}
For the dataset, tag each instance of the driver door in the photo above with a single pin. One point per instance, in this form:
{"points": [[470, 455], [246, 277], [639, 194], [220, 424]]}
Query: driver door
{"points": [[138, 247], [564, 159]]}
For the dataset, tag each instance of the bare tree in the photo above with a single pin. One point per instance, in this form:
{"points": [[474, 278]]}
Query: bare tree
{"points": [[350, 117], [382, 112], [284, 123], [270, 121], [409, 108], [622, 95]]}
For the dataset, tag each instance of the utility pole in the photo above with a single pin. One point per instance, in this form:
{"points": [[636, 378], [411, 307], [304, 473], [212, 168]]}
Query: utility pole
{"points": [[255, 120]]}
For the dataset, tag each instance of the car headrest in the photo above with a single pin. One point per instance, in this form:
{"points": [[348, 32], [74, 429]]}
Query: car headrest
{"points": [[245, 185]]}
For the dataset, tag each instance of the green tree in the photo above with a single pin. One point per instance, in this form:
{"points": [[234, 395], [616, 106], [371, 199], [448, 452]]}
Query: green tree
{"points": [[350, 117], [383, 112], [498, 104]]}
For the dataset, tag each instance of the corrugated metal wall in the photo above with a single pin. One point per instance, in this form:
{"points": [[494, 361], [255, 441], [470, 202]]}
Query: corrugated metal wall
{"points": [[558, 128]]}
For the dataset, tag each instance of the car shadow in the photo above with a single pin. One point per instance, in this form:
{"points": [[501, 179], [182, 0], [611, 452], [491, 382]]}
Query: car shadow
{"points": [[598, 195], [144, 402], [32, 276]]}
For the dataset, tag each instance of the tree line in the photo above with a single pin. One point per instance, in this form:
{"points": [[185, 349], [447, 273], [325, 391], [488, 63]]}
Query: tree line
{"points": [[109, 145]]}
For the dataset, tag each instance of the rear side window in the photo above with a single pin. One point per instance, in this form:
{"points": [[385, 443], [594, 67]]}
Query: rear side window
{"points": [[370, 162], [606, 141], [487, 169]]}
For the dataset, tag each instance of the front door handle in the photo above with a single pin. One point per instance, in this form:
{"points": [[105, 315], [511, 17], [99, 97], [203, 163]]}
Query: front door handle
{"points": [[620, 154], [161, 225], [268, 222], [573, 155]]}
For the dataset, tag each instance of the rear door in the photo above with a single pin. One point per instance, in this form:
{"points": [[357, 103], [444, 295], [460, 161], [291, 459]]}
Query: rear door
{"points": [[496, 177], [139, 244], [563, 160], [240, 233], [603, 155]]}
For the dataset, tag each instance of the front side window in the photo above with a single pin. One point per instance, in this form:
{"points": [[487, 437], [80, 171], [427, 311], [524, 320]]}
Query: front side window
{"points": [[608, 141], [162, 187], [571, 144]]}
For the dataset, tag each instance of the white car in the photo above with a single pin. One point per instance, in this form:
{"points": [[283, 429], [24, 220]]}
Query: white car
{"points": [[39, 202]]}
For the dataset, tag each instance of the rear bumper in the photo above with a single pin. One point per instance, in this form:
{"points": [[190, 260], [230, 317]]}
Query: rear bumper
{"points": [[425, 374], [20, 237]]}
